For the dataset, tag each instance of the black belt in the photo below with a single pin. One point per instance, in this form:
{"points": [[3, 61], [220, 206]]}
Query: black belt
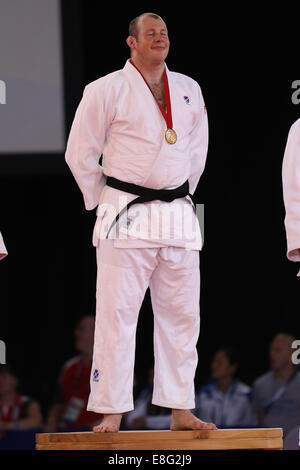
{"points": [[147, 194]]}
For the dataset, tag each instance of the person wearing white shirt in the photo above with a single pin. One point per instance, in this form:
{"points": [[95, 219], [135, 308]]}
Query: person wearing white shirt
{"points": [[276, 393], [225, 400]]}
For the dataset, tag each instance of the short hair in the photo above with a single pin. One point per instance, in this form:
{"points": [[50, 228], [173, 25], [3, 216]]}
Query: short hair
{"points": [[133, 25], [231, 353], [288, 335]]}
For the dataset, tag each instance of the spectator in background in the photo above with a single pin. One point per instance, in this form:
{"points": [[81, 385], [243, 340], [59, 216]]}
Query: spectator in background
{"points": [[276, 394], [146, 415], [225, 400], [17, 411], [3, 250], [69, 408]]}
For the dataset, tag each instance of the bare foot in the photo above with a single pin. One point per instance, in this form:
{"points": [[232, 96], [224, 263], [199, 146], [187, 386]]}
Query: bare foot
{"points": [[109, 423], [184, 420]]}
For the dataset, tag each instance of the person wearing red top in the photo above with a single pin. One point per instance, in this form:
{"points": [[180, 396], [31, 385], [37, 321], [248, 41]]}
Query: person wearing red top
{"points": [[69, 407], [17, 412]]}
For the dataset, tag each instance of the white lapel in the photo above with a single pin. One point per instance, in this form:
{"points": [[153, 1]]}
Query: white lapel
{"points": [[142, 92]]}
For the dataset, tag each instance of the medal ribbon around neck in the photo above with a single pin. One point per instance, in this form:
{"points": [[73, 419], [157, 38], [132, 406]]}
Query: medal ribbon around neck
{"points": [[170, 134]]}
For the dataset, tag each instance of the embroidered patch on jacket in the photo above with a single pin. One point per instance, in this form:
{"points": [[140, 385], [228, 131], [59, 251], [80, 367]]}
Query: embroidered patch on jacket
{"points": [[187, 99]]}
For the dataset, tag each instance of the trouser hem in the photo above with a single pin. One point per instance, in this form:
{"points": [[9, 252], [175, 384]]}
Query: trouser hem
{"points": [[96, 409], [189, 406]]}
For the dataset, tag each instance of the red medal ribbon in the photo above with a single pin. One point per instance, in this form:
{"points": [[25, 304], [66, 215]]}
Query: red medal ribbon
{"points": [[168, 113]]}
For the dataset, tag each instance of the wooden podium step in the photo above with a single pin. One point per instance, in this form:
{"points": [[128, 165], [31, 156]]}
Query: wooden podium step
{"points": [[221, 439]]}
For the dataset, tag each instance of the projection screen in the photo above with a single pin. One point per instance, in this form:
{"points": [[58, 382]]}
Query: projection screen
{"points": [[31, 77]]}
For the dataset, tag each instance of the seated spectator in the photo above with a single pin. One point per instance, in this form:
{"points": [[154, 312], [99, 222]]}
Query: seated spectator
{"points": [[17, 411], [69, 408], [146, 415], [225, 400], [276, 394]]}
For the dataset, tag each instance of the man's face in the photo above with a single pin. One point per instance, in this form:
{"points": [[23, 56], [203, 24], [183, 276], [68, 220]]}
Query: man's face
{"points": [[152, 43], [280, 352], [221, 367], [8, 383]]}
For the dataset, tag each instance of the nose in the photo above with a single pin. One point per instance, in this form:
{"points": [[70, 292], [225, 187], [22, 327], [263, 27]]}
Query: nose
{"points": [[158, 37]]}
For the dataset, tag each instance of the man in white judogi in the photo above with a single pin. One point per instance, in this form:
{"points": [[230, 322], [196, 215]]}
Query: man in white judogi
{"points": [[291, 192], [3, 250], [150, 124]]}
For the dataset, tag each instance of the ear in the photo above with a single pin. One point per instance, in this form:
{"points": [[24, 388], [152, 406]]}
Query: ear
{"points": [[131, 42]]}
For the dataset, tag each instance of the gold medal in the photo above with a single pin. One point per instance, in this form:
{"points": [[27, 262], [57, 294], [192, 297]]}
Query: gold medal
{"points": [[170, 136]]}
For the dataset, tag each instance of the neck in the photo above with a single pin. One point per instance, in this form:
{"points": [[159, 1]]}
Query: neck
{"points": [[224, 384], [153, 72], [282, 375]]}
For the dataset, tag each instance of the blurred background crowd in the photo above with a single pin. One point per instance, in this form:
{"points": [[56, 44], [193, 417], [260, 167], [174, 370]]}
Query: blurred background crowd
{"points": [[272, 400]]}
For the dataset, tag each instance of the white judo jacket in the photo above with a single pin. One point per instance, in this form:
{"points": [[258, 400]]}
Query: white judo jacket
{"points": [[3, 250], [291, 191], [119, 118]]}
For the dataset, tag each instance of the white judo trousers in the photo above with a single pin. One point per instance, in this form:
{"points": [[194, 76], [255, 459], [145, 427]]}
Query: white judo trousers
{"points": [[173, 277]]}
